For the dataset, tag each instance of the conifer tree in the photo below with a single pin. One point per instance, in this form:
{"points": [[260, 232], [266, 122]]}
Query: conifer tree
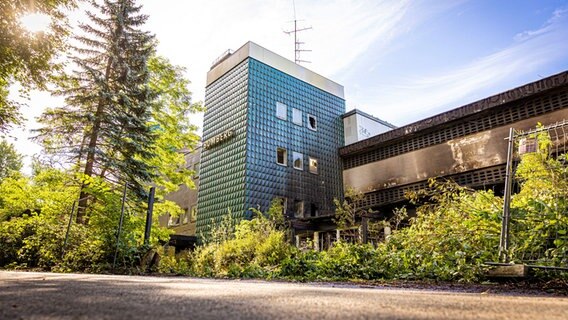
{"points": [[103, 128]]}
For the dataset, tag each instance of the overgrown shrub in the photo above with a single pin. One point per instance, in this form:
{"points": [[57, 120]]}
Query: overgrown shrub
{"points": [[34, 215], [256, 248], [450, 238]]}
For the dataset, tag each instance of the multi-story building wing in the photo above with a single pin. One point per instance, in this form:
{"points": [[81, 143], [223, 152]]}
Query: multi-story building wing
{"points": [[271, 130]]}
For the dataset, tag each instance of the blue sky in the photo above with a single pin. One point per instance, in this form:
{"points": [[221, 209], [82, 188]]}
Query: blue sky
{"points": [[399, 60]]}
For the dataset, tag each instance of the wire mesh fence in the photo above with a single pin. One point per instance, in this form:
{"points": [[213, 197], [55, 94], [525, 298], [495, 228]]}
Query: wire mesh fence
{"points": [[535, 214]]}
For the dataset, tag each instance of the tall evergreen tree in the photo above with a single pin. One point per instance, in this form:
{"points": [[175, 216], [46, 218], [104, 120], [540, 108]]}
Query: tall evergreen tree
{"points": [[103, 128]]}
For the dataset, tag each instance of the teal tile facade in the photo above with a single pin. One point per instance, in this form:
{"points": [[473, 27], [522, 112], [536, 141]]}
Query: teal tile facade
{"points": [[242, 172]]}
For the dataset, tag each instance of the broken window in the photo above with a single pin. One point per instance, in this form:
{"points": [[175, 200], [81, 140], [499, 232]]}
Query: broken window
{"points": [[281, 156], [312, 122]]}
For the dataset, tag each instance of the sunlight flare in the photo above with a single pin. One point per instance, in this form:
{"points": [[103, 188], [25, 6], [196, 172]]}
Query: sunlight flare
{"points": [[35, 22]]}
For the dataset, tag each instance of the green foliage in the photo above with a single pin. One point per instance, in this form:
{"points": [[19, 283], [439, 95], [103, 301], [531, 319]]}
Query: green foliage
{"points": [[171, 110], [34, 215], [26, 57], [348, 214], [10, 159], [103, 130], [450, 238], [255, 248], [343, 261], [539, 225]]}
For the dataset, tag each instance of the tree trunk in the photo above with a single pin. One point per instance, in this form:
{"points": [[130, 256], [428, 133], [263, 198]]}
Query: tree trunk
{"points": [[91, 150]]}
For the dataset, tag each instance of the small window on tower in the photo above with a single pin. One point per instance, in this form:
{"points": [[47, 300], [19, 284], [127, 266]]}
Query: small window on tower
{"points": [[298, 208], [185, 216], [313, 165], [281, 156], [312, 122], [298, 160], [297, 116], [174, 221], [281, 110]]}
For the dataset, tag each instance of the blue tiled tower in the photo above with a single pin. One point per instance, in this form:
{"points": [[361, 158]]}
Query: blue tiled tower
{"points": [[271, 130]]}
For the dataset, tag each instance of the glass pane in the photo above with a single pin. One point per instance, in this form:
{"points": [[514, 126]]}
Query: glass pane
{"points": [[298, 160], [313, 165], [297, 116], [281, 110]]}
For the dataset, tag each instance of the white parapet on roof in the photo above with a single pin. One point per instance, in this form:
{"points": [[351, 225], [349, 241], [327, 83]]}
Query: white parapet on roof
{"points": [[253, 50]]}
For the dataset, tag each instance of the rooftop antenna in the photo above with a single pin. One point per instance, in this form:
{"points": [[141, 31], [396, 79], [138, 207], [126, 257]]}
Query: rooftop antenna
{"points": [[297, 43]]}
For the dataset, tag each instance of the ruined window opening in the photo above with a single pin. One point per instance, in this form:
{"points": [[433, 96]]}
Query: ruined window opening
{"points": [[281, 156], [312, 123], [298, 160], [298, 208], [313, 163]]}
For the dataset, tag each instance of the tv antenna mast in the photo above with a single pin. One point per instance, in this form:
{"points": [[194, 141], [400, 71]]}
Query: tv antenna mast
{"points": [[297, 43]]}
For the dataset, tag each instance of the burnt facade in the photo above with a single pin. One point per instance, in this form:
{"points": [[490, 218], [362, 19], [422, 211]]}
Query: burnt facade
{"points": [[467, 144]]}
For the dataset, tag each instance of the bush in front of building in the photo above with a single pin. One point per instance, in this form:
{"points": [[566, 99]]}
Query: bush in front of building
{"points": [[34, 217], [255, 249], [455, 231]]}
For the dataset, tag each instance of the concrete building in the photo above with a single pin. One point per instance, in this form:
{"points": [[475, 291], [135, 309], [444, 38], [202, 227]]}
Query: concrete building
{"points": [[467, 144], [274, 129], [186, 198], [358, 125], [271, 130]]}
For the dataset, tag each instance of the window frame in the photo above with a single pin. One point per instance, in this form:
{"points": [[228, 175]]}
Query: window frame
{"points": [[299, 204], [174, 221], [296, 112], [300, 156], [285, 164], [310, 159], [279, 105], [315, 128], [185, 216]]}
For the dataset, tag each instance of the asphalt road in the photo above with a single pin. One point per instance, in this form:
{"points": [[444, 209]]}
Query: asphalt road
{"points": [[27, 295]]}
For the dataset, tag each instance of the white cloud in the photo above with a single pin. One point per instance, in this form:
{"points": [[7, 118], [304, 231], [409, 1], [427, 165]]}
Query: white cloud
{"points": [[416, 97]]}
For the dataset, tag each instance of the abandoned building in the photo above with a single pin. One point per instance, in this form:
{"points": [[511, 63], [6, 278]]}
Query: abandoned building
{"points": [[274, 129]]}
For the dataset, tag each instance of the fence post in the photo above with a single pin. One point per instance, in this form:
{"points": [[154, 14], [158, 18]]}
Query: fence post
{"points": [[68, 229], [148, 228], [364, 230], [504, 240], [120, 225]]}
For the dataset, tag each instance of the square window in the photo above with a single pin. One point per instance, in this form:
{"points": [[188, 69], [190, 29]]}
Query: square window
{"points": [[312, 122], [297, 116], [281, 110], [173, 221], [313, 163], [298, 208], [185, 216], [281, 156], [313, 210], [298, 160]]}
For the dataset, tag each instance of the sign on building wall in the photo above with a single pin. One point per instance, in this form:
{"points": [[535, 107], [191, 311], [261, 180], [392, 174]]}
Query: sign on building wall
{"points": [[218, 139]]}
